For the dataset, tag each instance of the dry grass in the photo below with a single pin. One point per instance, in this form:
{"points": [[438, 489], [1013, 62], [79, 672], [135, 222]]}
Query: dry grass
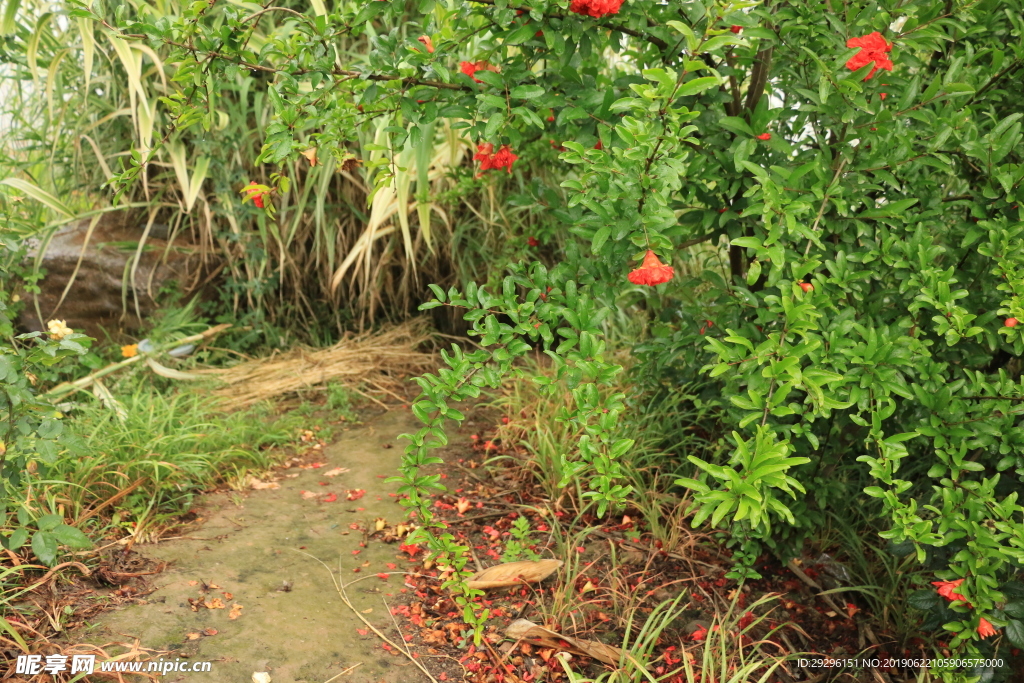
{"points": [[376, 358]]}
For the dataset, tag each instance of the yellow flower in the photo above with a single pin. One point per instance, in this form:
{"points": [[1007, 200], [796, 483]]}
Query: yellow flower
{"points": [[57, 329], [130, 351]]}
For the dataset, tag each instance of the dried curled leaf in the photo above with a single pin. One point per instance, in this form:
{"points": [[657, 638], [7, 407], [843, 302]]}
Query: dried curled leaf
{"points": [[514, 573], [526, 630]]}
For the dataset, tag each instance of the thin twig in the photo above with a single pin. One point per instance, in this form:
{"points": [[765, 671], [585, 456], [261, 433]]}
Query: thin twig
{"points": [[340, 587], [332, 678], [821, 209]]}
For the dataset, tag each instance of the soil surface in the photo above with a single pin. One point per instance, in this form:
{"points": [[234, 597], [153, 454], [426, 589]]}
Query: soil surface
{"points": [[253, 549]]}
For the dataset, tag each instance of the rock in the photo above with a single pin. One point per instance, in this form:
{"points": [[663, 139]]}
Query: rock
{"points": [[98, 303]]}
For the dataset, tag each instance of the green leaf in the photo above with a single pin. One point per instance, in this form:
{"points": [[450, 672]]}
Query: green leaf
{"points": [[1015, 609], [17, 539], [924, 600], [747, 242], [49, 522], [70, 536], [489, 77], [736, 125], [527, 92], [697, 85], [890, 209], [44, 545], [1015, 632]]}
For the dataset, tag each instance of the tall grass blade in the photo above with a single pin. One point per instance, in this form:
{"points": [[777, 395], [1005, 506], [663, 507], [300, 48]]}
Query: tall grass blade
{"points": [[85, 28], [8, 25], [39, 194], [32, 51]]}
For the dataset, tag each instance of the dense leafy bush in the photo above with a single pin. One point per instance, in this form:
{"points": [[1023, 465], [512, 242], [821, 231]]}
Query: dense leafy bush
{"points": [[860, 164]]}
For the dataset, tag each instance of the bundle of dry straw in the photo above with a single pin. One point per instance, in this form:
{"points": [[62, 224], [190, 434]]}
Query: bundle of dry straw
{"points": [[379, 359]]}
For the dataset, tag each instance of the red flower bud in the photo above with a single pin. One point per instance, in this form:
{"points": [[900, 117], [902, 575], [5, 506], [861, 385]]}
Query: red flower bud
{"points": [[1011, 322], [764, 136], [735, 29]]}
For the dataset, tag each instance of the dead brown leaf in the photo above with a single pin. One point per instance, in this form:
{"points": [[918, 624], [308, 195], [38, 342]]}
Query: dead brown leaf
{"points": [[514, 573], [216, 603], [236, 611], [192, 636], [435, 637], [525, 630]]}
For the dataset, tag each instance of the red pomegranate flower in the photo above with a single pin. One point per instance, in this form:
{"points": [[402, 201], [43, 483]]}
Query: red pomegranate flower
{"points": [[735, 29], [652, 271], [874, 48], [256, 194], [470, 68], [764, 136], [947, 588], [429, 44], [532, 241], [595, 8], [504, 158], [483, 155], [985, 629], [491, 160]]}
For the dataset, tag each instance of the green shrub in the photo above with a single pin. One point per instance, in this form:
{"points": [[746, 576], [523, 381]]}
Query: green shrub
{"points": [[871, 220]]}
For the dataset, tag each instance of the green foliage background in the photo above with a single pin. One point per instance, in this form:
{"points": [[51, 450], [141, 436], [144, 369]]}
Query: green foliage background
{"points": [[896, 197]]}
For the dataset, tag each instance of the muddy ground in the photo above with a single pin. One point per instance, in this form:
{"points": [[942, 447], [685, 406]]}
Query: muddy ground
{"points": [[250, 549]]}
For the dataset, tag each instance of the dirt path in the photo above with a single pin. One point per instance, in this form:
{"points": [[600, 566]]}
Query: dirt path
{"points": [[248, 545]]}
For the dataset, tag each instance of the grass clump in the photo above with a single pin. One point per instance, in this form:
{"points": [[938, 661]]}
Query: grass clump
{"points": [[134, 466]]}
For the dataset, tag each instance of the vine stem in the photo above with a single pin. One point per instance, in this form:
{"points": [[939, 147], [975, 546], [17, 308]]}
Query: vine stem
{"points": [[821, 209]]}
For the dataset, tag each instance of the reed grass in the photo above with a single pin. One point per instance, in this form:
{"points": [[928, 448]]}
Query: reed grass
{"points": [[78, 100]]}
